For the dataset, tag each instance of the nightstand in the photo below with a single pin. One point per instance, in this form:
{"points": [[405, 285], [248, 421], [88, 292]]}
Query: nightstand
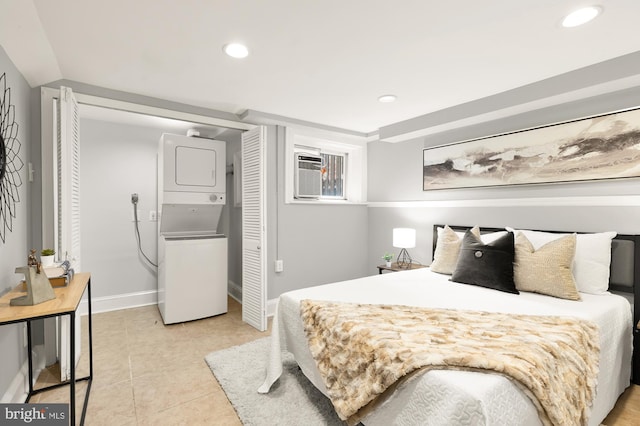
{"points": [[395, 268]]}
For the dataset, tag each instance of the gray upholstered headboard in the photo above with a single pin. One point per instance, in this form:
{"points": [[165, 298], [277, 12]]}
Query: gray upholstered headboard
{"points": [[624, 261], [624, 278]]}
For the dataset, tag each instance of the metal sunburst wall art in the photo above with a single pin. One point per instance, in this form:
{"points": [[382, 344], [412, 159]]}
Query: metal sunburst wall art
{"points": [[10, 162]]}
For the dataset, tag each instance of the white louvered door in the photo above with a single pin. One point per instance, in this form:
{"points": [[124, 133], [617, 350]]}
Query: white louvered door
{"points": [[68, 179], [254, 273], [67, 209]]}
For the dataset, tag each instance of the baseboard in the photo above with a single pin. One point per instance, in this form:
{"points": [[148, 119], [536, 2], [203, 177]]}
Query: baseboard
{"points": [[235, 291], [145, 298], [119, 301], [19, 387], [271, 307]]}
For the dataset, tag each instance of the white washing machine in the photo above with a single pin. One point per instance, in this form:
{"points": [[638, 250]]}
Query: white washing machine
{"points": [[192, 255], [192, 279]]}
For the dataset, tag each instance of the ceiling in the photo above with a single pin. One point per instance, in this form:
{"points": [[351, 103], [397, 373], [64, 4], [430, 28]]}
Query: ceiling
{"points": [[324, 62]]}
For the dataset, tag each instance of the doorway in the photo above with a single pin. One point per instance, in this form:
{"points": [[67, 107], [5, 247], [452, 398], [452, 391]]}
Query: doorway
{"points": [[119, 143]]}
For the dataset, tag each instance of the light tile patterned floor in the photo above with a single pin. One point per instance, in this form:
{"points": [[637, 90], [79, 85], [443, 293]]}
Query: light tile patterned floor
{"points": [[146, 373]]}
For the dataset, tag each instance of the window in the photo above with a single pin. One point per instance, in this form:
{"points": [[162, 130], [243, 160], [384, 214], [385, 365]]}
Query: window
{"points": [[342, 168], [333, 175]]}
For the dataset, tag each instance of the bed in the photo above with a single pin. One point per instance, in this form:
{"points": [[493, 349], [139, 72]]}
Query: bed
{"points": [[468, 396]]}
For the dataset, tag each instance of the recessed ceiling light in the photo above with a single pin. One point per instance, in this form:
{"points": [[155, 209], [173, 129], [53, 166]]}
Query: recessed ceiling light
{"points": [[236, 50], [387, 98], [581, 16]]}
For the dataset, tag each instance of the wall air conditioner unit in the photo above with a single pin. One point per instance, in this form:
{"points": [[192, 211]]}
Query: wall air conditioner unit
{"points": [[308, 175]]}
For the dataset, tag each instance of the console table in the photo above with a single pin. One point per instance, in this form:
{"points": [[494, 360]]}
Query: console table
{"points": [[66, 303]]}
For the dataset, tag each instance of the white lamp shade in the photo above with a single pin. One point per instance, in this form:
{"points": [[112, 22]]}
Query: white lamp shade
{"points": [[404, 237]]}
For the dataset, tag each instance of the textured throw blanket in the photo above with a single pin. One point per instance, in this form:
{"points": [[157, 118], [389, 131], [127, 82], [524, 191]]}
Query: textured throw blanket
{"points": [[363, 350]]}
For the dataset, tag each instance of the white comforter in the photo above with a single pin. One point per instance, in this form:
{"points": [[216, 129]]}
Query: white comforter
{"points": [[459, 397]]}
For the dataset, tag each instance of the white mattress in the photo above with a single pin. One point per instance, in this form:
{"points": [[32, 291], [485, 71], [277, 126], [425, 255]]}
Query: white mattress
{"points": [[459, 397]]}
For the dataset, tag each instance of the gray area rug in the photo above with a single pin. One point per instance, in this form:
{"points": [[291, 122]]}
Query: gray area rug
{"points": [[293, 400]]}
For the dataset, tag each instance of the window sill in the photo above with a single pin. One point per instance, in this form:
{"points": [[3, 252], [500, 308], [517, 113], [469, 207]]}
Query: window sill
{"points": [[327, 202]]}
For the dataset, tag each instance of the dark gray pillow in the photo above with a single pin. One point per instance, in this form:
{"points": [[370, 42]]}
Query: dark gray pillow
{"points": [[486, 265]]}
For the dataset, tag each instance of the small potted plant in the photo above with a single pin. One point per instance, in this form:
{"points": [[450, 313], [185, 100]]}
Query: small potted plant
{"points": [[387, 258], [46, 257]]}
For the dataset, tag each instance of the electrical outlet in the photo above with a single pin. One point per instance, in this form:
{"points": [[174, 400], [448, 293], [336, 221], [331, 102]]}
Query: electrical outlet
{"points": [[153, 216], [279, 266]]}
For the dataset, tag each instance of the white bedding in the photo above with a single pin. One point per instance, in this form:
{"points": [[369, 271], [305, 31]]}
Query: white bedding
{"points": [[458, 397]]}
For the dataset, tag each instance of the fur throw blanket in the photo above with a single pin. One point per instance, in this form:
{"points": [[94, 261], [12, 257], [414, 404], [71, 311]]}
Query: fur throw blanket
{"points": [[363, 350]]}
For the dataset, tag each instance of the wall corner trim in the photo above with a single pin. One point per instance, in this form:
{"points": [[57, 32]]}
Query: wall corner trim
{"points": [[593, 201]]}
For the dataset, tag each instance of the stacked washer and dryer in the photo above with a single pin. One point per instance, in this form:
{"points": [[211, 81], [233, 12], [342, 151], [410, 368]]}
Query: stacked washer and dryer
{"points": [[192, 254]]}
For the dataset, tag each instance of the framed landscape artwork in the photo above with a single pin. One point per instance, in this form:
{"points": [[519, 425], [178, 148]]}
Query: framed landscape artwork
{"points": [[594, 148]]}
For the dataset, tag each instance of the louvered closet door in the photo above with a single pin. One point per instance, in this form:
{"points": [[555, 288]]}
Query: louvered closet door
{"points": [[254, 289], [68, 179], [67, 210]]}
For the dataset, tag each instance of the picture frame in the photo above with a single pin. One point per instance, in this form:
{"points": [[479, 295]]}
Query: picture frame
{"points": [[598, 147]]}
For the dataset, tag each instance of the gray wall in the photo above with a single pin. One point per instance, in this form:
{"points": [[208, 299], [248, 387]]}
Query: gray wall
{"points": [[14, 250], [318, 243], [231, 217], [588, 218], [491, 206]]}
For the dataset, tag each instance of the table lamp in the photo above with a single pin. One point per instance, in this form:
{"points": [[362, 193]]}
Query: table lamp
{"points": [[404, 238]]}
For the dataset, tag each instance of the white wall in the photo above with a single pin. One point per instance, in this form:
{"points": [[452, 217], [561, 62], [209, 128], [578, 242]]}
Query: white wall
{"points": [[14, 250], [117, 160]]}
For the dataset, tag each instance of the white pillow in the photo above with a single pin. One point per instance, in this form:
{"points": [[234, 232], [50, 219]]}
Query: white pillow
{"points": [[486, 238], [492, 236], [592, 261]]}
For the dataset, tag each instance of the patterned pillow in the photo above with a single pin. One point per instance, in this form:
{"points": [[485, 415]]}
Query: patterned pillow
{"points": [[487, 265], [548, 269], [447, 249]]}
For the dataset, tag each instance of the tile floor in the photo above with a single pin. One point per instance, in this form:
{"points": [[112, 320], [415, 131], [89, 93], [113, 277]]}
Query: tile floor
{"points": [[146, 373]]}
